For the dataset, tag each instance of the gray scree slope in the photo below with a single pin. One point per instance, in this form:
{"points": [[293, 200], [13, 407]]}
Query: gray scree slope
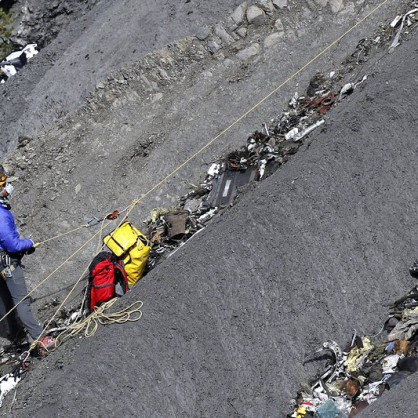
{"points": [[120, 31], [308, 255]]}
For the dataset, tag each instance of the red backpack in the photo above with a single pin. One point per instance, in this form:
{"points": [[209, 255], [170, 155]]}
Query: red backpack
{"points": [[107, 279]]}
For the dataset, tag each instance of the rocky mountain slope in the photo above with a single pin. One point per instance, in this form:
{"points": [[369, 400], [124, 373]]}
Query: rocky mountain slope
{"points": [[312, 252], [307, 255], [95, 41], [142, 122]]}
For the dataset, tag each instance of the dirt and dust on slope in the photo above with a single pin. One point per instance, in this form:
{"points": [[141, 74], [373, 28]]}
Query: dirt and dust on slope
{"points": [[144, 121], [91, 38], [122, 83], [312, 252]]}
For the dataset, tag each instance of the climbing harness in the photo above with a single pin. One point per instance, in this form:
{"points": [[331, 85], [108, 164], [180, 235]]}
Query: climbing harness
{"points": [[6, 266]]}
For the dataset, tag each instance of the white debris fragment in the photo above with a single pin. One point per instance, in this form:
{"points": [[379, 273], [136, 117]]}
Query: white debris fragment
{"points": [[361, 81], [214, 170], [9, 70], [16, 60], [345, 89], [291, 134], [396, 42], [389, 363], [262, 168], [293, 102], [74, 317], [395, 21], [251, 144], [331, 74], [208, 215], [308, 130], [7, 383], [30, 50], [265, 129]]}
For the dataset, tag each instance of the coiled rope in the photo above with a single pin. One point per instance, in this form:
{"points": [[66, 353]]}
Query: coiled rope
{"points": [[101, 315]]}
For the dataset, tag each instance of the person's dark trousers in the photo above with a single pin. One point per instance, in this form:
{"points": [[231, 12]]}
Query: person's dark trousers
{"points": [[12, 291]]}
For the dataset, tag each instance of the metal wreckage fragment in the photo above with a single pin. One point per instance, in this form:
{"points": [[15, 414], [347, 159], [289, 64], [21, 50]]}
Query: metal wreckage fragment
{"points": [[358, 376]]}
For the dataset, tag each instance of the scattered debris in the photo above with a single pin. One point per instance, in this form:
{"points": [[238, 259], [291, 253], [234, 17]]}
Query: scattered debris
{"points": [[15, 61], [359, 375], [356, 377], [406, 18]]}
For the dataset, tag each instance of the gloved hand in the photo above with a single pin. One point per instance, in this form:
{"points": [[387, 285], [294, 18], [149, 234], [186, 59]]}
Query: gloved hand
{"points": [[32, 249]]}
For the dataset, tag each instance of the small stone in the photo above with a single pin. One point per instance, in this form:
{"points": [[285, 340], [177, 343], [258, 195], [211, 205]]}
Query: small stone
{"points": [[321, 3], [100, 85], [230, 24], [202, 33], [156, 97], [239, 13], [349, 10], [273, 39], [255, 16], [77, 188], [213, 47], [228, 63], [223, 34], [266, 5], [280, 4], [207, 74], [336, 5], [249, 52], [278, 24], [306, 13], [242, 32], [235, 36], [192, 205]]}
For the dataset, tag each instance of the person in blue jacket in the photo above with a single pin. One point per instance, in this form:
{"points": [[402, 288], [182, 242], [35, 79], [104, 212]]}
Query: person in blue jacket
{"points": [[12, 281]]}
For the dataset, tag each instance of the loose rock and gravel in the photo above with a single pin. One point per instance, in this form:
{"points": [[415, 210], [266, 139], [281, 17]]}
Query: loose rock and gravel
{"points": [[311, 252]]}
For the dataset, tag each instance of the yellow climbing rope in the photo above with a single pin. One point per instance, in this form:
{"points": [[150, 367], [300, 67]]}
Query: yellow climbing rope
{"points": [[63, 234], [101, 315]]}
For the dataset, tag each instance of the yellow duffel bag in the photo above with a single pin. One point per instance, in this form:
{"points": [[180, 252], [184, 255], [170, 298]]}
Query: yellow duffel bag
{"points": [[129, 243]]}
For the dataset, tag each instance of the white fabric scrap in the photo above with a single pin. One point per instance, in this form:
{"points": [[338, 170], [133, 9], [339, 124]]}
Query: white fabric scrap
{"points": [[344, 405], [389, 363], [371, 392]]}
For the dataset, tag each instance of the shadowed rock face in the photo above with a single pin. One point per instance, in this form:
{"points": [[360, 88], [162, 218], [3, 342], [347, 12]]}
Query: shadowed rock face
{"points": [[308, 255]]}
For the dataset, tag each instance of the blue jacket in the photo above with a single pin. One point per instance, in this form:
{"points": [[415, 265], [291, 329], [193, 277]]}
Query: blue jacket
{"points": [[9, 236]]}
